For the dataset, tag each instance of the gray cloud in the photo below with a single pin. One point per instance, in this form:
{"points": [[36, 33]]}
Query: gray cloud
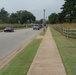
{"points": [[34, 6]]}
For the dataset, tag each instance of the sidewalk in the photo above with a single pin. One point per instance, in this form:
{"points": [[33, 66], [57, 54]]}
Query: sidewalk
{"points": [[47, 60]]}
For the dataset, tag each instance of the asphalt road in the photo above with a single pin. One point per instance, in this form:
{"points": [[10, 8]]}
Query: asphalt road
{"points": [[9, 41]]}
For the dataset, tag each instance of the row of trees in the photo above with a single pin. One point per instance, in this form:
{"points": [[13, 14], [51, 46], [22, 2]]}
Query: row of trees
{"points": [[68, 13], [21, 17]]}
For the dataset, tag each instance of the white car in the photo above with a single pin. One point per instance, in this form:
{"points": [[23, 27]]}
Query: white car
{"points": [[36, 26]]}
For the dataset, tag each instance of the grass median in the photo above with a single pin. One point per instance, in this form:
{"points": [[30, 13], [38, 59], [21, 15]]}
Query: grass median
{"points": [[22, 61], [20, 64], [67, 49]]}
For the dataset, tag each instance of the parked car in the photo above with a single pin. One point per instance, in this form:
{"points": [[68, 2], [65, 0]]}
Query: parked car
{"points": [[8, 29], [36, 26]]}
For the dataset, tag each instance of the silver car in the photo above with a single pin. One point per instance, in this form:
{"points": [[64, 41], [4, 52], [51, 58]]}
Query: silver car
{"points": [[36, 26]]}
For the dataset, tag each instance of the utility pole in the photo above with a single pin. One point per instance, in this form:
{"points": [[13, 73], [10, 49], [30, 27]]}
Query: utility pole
{"points": [[44, 20], [44, 14], [44, 17]]}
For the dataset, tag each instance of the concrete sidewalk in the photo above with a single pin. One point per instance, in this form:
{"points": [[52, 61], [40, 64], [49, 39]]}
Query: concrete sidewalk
{"points": [[47, 60]]}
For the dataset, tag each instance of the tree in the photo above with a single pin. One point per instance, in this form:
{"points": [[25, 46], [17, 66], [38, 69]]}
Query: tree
{"points": [[27, 17], [13, 18], [53, 18], [69, 8], [22, 17], [4, 15], [61, 17], [39, 21]]}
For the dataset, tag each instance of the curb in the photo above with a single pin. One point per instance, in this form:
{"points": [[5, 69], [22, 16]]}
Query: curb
{"points": [[9, 57]]}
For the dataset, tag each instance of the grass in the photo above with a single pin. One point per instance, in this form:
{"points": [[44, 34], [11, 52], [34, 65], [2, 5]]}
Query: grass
{"points": [[66, 25], [67, 49], [1, 30], [21, 63], [43, 33]]}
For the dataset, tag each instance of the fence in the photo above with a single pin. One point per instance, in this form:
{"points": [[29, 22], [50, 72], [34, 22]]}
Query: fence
{"points": [[68, 32]]}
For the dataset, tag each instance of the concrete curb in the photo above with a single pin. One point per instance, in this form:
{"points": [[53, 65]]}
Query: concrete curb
{"points": [[8, 58]]}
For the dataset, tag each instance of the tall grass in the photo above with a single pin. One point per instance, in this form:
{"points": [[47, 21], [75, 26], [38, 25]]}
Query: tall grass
{"points": [[66, 25], [2, 26]]}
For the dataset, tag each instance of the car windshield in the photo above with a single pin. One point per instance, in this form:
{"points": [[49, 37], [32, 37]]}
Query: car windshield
{"points": [[35, 25]]}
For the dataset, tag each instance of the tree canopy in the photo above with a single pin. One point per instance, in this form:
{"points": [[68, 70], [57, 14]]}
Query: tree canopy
{"points": [[21, 16], [69, 9], [53, 18], [4, 15], [68, 13]]}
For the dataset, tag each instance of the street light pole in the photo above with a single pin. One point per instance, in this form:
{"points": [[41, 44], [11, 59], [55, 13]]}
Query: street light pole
{"points": [[44, 20], [44, 14], [44, 17]]}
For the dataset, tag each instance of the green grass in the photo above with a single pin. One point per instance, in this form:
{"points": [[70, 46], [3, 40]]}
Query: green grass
{"points": [[67, 49], [1, 30], [21, 63], [43, 32]]}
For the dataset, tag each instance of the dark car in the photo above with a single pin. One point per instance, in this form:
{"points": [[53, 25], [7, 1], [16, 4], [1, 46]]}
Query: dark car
{"points": [[40, 26], [36, 26], [8, 29]]}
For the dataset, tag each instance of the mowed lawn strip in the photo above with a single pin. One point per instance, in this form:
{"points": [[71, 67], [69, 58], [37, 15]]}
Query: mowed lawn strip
{"points": [[67, 49], [43, 32], [22, 61]]}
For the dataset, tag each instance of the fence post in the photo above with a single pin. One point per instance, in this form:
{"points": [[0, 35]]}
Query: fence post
{"points": [[63, 31], [67, 33]]}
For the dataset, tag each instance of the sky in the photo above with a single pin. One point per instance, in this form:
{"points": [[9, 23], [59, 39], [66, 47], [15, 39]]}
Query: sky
{"points": [[36, 7]]}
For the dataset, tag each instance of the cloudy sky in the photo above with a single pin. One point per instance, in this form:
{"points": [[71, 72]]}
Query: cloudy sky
{"points": [[36, 7]]}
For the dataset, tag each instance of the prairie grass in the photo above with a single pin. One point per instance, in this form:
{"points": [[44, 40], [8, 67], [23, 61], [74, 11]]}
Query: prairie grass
{"points": [[66, 25], [2, 26]]}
